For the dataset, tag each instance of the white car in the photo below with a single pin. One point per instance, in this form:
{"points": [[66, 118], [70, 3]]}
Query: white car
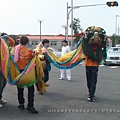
{"points": [[113, 56], [117, 45], [56, 52]]}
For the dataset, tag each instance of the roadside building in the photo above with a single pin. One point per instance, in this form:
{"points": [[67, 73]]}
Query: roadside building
{"points": [[55, 40]]}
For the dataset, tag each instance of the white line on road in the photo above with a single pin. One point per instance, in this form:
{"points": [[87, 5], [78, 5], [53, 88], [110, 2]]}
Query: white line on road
{"points": [[101, 65], [114, 67]]}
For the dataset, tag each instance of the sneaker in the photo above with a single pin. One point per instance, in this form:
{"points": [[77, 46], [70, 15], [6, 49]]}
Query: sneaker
{"points": [[3, 101], [32, 110], [61, 78], [91, 99], [1, 105], [21, 107], [69, 80]]}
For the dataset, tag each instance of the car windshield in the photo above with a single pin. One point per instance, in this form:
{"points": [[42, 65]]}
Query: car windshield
{"points": [[114, 50]]}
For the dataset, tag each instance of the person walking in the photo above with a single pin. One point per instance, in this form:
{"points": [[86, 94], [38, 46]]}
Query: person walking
{"points": [[23, 59]]}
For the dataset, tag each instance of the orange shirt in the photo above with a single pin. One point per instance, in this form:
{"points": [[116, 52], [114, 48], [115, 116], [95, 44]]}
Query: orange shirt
{"points": [[24, 57], [89, 62]]}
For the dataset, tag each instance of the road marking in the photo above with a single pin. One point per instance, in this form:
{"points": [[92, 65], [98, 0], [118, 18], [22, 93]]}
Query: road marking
{"points": [[114, 67], [101, 65]]}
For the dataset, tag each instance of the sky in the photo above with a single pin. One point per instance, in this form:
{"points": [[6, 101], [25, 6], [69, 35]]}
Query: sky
{"points": [[22, 16]]}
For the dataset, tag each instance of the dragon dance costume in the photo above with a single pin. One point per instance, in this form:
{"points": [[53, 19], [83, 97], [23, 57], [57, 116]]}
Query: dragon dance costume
{"points": [[32, 73], [94, 47], [3, 82], [94, 40]]}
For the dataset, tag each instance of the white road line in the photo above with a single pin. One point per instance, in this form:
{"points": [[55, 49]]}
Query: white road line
{"points": [[82, 64], [101, 65], [114, 67]]}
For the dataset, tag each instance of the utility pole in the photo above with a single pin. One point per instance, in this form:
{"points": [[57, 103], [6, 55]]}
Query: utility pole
{"points": [[113, 3], [72, 25], [118, 30], [67, 23], [40, 29]]}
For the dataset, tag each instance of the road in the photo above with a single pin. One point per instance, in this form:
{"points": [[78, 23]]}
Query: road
{"points": [[68, 100]]}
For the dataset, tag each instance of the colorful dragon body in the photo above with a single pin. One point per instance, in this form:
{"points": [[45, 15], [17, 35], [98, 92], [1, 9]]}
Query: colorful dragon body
{"points": [[94, 40]]}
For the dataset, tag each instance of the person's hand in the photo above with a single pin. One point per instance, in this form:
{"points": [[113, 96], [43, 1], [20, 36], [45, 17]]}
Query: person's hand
{"points": [[45, 52]]}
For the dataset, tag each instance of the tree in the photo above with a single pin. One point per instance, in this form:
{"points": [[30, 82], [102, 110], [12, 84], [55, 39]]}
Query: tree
{"points": [[76, 28], [115, 38]]}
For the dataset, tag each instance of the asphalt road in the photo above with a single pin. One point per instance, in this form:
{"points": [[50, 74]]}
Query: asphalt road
{"points": [[68, 100]]}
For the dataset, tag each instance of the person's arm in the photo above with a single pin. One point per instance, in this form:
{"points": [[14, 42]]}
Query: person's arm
{"points": [[11, 42]]}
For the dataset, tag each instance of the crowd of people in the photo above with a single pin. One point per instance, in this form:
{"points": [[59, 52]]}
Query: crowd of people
{"points": [[24, 56]]}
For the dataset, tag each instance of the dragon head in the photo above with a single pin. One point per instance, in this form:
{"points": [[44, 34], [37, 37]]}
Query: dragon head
{"points": [[95, 35]]}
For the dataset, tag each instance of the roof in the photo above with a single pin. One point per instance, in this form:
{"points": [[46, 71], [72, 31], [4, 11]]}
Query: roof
{"points": [[49, 37], [79, 34]]}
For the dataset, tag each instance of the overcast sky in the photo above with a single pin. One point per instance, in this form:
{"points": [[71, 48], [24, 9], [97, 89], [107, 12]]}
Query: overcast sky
{"points": [[22, 16]]}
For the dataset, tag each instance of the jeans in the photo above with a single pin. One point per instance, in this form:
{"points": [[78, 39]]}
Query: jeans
{"points": [[30, 96], [21, 99], [91, 75], [46, 76], [2, 84]]}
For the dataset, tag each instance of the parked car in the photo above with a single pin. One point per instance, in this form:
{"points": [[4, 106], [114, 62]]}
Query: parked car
{"points": [[117, 45], [113, 56], [56, 52]]}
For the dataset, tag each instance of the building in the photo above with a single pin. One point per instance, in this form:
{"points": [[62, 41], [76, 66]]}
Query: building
{"points": [[55, 41]]}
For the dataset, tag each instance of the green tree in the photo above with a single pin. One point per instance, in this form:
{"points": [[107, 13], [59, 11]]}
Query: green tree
{"points": [[76, 28], [115, 38]]}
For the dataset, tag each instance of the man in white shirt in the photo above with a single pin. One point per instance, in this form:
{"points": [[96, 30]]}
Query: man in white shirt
{"points": [[65, 49]]}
